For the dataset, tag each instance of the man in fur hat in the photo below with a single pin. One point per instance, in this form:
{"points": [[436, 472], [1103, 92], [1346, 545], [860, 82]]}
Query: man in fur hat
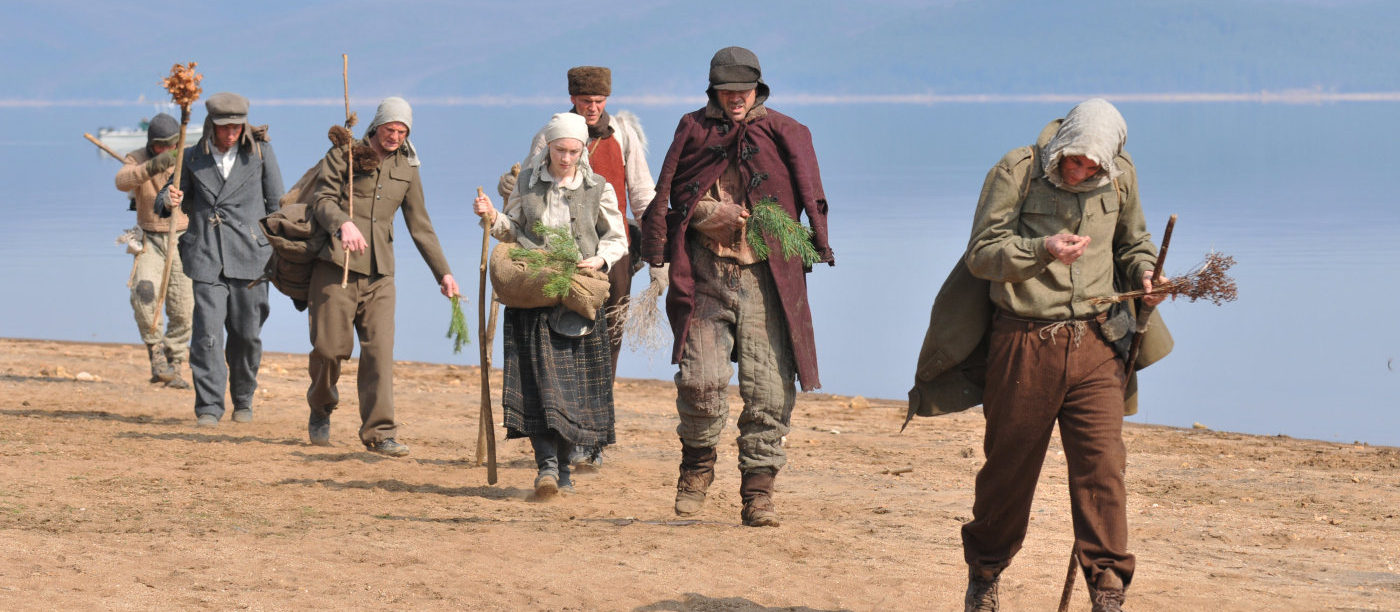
{"points": [[143, 173], [726, 303], [230, 179], [617, 149], [386, 181], [1056, 221]]}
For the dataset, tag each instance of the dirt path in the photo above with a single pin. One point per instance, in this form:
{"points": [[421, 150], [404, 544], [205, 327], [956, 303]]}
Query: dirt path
{"points": [[113, 499]]}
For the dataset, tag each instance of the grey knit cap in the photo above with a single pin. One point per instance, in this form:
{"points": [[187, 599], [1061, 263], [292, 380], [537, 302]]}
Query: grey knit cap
{"points": [[735, 69], [162, 129]]}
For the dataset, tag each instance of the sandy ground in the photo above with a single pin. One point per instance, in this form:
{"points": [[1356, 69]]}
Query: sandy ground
{"points": [[112, 499]]}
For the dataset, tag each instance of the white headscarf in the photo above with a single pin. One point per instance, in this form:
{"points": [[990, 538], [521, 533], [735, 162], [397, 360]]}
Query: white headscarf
{"points": [[1093, 129], [394, 109], [563, 125]]}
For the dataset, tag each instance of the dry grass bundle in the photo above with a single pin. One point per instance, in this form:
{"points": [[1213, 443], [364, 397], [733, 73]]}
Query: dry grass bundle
{"points": [[1207, 282], [642, 320], [183, 84]]}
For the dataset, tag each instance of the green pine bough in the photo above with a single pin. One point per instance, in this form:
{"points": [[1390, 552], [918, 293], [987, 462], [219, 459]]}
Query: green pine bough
{"points": [[558, 260], [457, 330], [769, 219]]}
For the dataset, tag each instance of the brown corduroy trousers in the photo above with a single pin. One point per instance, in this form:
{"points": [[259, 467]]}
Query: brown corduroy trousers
{"points": [[364, 308], [1037, 375]]}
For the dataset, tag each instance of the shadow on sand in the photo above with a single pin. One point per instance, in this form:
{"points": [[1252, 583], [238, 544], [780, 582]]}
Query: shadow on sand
{"points": [[694, 602]]}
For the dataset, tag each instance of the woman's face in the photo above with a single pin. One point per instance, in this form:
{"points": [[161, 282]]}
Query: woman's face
{"points": [[1074, 169], [564, 154]]}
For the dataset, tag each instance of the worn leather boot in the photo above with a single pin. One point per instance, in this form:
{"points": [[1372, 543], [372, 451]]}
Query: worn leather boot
{"points": [[697, 472], [160, 366], [981, 593], [1108, 595], [177, 380], [757, 493]]}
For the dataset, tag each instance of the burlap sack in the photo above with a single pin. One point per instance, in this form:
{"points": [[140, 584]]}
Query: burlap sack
{"points": [[516, 286]]}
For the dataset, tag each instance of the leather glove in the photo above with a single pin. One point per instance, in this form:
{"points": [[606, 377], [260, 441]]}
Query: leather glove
{"points": [[506, 185], [660, 274], [160, 163]]}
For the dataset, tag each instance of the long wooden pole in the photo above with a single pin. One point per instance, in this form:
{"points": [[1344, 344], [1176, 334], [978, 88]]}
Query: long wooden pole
{"points": [[486, 425], [349, 165], [104, 147], [1068, 591], [175, 215], [1144, 312]]}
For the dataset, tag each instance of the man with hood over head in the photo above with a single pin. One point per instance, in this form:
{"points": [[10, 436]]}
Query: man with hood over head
{"points": [[386, 181], [230, 180], [1054, 223], [725, 302], [144, 172]]}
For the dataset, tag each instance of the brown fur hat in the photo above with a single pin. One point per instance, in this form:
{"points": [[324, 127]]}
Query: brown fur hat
{"points": [[590, 81]]}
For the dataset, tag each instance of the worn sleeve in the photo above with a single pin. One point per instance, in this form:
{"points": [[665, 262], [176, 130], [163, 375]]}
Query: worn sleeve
{"points": [[509, 218], [132, 174], [996, 252], [329, 188], [806, 175], [271, 180], [420, 227], [1132, 244], [612, 244], [654, 220]]}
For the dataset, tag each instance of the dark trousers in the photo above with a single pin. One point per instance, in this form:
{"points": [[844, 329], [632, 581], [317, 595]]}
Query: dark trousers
{"points": [[226, 305], [364, 308], [1037, 375]]}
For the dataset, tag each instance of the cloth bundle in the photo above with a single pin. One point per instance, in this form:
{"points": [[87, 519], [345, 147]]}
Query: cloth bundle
{"points": [[518, 287]]}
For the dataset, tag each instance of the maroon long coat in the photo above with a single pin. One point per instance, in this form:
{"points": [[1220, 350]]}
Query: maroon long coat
{"points": [[776, 160]]}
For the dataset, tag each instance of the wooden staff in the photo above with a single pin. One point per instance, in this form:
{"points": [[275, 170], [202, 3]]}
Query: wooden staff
{"points": [[1144, 312], [349, 164], [104, 147], [186, 98], [1068, 591], [486, 426]]}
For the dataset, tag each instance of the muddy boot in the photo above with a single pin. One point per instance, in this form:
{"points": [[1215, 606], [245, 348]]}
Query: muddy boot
{"points": [[160, 365], [757, 493], [1108, 595], [697, 472], [177, 380], [981, 593]]}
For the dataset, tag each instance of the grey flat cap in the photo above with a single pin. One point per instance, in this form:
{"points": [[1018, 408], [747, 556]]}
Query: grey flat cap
{"points": [[735, 69], [227, 108]]}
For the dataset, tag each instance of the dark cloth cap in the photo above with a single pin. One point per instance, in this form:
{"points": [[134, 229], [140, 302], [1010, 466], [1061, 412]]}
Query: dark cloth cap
{"points": [[227, 108], [590, 81], [162, 129], [735, 69]]}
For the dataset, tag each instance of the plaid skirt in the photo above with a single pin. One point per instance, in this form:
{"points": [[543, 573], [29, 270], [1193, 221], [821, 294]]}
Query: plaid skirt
{"points": [[556, 383]]}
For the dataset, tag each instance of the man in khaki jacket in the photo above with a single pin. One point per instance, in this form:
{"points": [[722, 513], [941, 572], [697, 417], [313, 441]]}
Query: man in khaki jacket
{"points": [[143, 173], [365, 306]]}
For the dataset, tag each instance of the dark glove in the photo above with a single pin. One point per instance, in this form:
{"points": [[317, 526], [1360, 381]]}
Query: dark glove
{"points": [[506, 185], [160, 163]]}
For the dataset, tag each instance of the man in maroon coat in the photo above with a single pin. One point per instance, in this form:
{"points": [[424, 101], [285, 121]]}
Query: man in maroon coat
{"points": [[726, 303]]}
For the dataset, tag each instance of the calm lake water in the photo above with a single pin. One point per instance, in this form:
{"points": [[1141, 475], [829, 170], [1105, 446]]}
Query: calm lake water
{"points": [[1297, 194]]}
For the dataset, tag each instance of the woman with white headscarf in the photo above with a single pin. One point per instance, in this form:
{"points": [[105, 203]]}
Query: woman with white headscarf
{"points": [[558, 379]]}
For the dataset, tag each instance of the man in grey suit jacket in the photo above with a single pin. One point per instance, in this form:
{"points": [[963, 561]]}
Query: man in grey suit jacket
{"points": [[231, 179]]}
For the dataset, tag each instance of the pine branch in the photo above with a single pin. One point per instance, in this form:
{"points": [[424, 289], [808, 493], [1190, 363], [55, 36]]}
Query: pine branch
{"points": [[558, 260], [457, 329], [768, 219]]}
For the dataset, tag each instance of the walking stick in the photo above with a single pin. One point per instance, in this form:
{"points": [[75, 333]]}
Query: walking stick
{"points": [[183, 85], [1144, 313], [1069, 578], [104, 147], [486, 426], [349, 163]]}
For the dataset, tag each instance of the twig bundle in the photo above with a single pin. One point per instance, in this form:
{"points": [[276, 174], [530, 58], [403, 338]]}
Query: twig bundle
{"points": [[559, 259], [1207, 282], [183, 84], [769, 219], [457, 329], [641, 319]]}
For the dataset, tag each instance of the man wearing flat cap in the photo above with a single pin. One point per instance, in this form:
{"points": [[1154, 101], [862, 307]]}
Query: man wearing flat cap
{"points": [[143, 173], [229, 181], [617, 149], [385, 182], [726, 301]]}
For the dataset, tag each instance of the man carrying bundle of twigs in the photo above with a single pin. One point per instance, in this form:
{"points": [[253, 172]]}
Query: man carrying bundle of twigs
{"points": [[1015, 326]]}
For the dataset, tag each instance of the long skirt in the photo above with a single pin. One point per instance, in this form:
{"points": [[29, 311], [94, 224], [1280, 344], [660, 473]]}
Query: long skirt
{"points": [[557, 383]]}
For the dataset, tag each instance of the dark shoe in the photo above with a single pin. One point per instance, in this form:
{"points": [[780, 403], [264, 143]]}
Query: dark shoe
{"points": [[160, 365], [981, 591], [319, 430], [243, 415], [389, 447], [176, 381], [546, 487], [207, 420], [697, 473], [757, 493]]}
